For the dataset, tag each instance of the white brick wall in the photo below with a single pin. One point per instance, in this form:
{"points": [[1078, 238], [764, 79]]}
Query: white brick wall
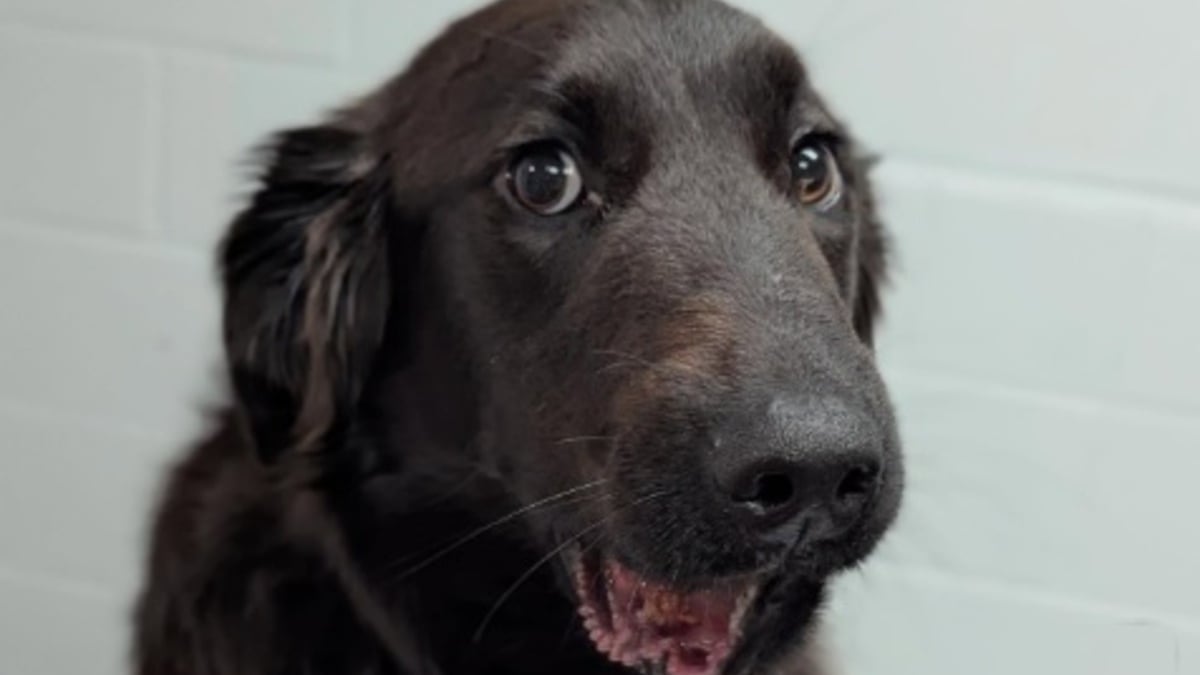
{"points": [[1043, 340], [97, 152]]}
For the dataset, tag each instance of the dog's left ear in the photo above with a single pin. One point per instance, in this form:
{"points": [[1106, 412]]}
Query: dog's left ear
{"points": [[871, 275], [306, 276]]}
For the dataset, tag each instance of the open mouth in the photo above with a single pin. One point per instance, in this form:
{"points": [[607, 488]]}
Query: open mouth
{"points": [[659, 629]]}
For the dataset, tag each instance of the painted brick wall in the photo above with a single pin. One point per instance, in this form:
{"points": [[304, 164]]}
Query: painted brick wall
{"points": [[1043, 340]]}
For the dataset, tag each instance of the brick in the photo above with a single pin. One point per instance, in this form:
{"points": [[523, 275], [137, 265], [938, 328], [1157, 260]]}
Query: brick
{"points": [[1163, 367], [75, 137], [1071, 497], [1188, 649], [51, 631], [308, 29], [888, 624], [1013, 282], [217, 112], [1026, 85], [387, 34], [801, 21], [75, 498], [103, 330]]}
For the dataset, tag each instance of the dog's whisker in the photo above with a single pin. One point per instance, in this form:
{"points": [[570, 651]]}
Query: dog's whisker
{"points": [[555, 552], [506, 40], [625, 360], [457, 489], [595, 542], [632, 358], [576, 440], [643, 499], [553, 500]]}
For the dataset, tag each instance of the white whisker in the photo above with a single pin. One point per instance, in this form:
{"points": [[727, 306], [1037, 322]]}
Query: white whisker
{"points": [[555, 499]]}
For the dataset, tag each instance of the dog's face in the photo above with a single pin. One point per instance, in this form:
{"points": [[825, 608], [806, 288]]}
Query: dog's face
{"points": [[649, 254]]}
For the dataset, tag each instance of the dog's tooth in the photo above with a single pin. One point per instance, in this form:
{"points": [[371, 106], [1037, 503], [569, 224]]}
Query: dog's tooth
{"points": [[741, 606], [617, 619], [603, 642]]}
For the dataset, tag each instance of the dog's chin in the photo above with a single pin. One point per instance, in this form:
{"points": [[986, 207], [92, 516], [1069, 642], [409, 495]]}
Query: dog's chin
{"points": [[657, 628]]}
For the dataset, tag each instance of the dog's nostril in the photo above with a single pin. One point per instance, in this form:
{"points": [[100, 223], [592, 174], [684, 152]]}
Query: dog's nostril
{"points": [[767, 491], [859, 483]]}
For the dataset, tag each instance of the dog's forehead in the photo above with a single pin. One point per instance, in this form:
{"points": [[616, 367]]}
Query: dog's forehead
{"points": [[655, 49], [668, 50], [655, 34], [656, 61]]}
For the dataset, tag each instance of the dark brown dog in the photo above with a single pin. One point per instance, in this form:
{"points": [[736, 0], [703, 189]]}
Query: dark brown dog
{"points": [[552, 356]]}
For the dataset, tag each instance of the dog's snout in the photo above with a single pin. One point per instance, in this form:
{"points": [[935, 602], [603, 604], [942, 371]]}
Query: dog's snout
{"points": [[807, 471]]}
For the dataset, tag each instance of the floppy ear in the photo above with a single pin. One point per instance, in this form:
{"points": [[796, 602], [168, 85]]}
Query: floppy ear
{"points": [[871, 274], [307, 290]]}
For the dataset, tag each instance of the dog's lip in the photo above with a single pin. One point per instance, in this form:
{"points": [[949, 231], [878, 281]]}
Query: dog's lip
{"points": [[658, 628]]}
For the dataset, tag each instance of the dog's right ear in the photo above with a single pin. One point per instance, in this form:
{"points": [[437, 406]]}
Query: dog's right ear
{"points": [[307, 287]]}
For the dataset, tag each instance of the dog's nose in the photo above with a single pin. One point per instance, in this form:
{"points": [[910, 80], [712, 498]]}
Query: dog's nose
{"points": [[829, 494], [808, 471]]}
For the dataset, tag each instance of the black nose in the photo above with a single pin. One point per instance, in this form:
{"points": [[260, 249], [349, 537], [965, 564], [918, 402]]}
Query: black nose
{"points": [[831, 492], [808, 471]]}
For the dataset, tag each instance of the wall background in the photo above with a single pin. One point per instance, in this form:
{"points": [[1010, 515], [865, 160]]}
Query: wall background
{"points": [[1043, 341]]}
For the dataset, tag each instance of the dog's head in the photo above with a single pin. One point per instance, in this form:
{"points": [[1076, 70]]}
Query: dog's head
{"points": [[620, 253]]}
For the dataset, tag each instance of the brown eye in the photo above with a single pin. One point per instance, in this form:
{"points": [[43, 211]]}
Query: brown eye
{"points": [[815, 174], [545, 179]]}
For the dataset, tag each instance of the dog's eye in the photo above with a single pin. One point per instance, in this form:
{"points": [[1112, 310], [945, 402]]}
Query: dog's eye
{"points": [[816, 175], [546, 180]]}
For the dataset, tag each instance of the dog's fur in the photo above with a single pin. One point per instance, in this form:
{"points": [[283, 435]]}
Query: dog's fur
{"points": [[413, 355]]}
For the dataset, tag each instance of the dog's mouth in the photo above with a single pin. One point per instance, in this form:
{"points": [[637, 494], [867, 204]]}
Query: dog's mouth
{"points": [[659, 629]]}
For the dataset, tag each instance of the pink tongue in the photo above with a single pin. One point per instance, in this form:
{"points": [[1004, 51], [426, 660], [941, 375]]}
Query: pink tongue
{"points": [[650, 622]]}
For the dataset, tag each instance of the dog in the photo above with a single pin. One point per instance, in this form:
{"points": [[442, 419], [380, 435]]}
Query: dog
{"points": [[553, 355]]}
